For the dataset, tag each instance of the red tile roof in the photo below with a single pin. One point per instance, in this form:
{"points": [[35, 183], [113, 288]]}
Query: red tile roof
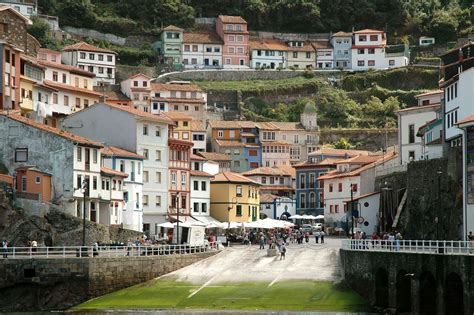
{"points": [[115, 96], [429, 93], [114, 151], [188, 87], [71, 69], [138, 113], [61, 86], [179, 100], [338, 152], [368, 31], [87, 47], [197, 157], [200, 173], [210, 37], [268, 44], [360, 159], [58, 132], [232, 19], [466, 120], [197, 126], [177, 116], [110, 171], [230, 177], [229, 143], [214, 156]]}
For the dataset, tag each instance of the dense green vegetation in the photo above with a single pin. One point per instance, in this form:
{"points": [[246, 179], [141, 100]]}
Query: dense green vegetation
{"points": [[286, 295], [362, 100], [403, 19]]}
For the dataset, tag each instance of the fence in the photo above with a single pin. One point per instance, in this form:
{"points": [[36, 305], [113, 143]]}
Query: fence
{"points": [[103, 251], [411, 246]]}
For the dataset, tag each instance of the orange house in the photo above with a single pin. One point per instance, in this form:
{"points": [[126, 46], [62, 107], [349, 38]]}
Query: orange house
{"points": [[31, 180]]}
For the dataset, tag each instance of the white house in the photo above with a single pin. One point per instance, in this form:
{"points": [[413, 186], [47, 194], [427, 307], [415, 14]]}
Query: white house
{"points": [[112, 195], [268, 54], [369, 51], [412, 147], [356, 174], [93, 59], [342, 44], [324, 54], [202, 50], [128, 162], [27, 8], [367, 207], [200, 190], [133, 130], [138, 89], [71, 160], [199, 136], [275, 207]]}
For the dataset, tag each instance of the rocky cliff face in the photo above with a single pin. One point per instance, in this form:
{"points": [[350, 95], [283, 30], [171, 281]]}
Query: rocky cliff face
{"points": [[53, 228]]}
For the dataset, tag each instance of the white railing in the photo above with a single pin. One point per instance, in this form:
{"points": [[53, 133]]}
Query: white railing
{"points": [[411, 246], [103, 251]]}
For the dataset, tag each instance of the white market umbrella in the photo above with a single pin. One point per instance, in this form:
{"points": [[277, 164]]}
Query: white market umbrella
{"points": [[310, 217], [212, 225], [231, 225], [296, 216], [319, 217], [168, 225]]}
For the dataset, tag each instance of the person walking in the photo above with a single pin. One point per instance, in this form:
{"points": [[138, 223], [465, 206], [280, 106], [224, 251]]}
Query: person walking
{"points": [[34, 246], [322, 234], [470, 238], [316, 236], [398, 240], [306, 236], [282, 251], [5, 248], [262, 241]]}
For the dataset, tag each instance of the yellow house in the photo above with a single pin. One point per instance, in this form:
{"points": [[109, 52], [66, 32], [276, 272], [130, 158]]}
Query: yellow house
{"points": [[182, 130], [26, 86], [234, 198]]}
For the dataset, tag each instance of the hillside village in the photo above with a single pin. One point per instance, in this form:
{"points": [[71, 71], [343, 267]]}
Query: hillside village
{"points": [[140, 152]]}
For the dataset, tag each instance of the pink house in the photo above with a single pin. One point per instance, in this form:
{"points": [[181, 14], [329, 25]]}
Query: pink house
{"points": [[234, 33], [45, 54]]}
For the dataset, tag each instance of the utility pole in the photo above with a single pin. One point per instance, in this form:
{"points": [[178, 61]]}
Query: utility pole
{"points": [[352, 211], [85, 187], [177, 218]]}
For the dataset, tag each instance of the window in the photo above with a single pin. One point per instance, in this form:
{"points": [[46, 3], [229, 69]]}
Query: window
{"points": [[145, 154], [231, 50], [64, 78], [371, 63], [196, 207], [109, 58], [101, 57], [302, 181], [308, 55], [183, 179], [82, 55], [55, 76], [354, 187], [90, 68], [360, 51], [203, 186], [331, 209], [145, 130], [302, 201], [227, 61], [411, 133], [91, 56], [158, 200], [236, 163], [336, 209], [455, 91], [330, 187], [78, 102], [362, 38], [391, 62], [231, 38], [195, 185], [94, 182], [21, 155], [145, 200], [295, 54], [173, 178], [37, 180], [340, 187], [360, 63], [238, 210], [66, 100], [411, 155], [238, 191], [220, 133], [374, 38], [204, 207], [95, 154], [371, 51], [79, 154], [158, 177], [145, 176]]}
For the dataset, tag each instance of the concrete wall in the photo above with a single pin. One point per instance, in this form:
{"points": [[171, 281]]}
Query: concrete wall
{"points": [[228, 75], [85, 32], [58, 284], [360, 270]]}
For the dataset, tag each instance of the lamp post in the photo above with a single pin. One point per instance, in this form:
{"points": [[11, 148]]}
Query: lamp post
{"points": [[177, 218], [352, 210], [439, 172], [85, 188]]}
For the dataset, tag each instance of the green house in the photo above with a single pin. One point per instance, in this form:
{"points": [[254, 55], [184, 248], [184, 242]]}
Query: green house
{"points": [[169, 46]]}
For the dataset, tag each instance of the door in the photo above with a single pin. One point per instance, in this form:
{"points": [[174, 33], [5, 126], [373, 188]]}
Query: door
{"points": [[87, 159], [206, 62]]}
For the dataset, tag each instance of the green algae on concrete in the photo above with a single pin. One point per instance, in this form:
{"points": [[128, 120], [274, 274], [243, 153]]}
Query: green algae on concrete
{"points": [[285, 295]]}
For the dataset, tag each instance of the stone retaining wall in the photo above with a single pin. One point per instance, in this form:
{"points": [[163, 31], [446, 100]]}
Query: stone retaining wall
{"points": [[58, 284]]}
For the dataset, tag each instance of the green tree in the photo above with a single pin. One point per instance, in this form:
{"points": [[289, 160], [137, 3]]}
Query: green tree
{"points": [[78, 13], [342, 143], [335, 108], [378, 114]]}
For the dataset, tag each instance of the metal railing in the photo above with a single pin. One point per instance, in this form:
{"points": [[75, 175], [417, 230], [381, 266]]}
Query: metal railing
{"points": [[103, 251], [411, 246]]}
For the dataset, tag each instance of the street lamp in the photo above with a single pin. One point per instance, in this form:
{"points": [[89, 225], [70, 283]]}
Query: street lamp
{"points": [[85, 191], [177, 218], [439, 172]]}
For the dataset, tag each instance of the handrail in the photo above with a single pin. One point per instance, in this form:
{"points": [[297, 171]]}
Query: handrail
{"points": [[104, 251], [443, 247]]}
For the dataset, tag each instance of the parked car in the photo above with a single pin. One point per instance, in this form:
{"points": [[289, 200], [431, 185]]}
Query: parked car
{"points": [[317, 227], [307, 228]]}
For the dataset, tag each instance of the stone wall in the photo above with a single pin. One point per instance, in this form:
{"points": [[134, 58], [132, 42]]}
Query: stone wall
{"points": [[368, 139], [58, 284], [406, 271], [82, 33], [124, 72], [50, 226], [16, 34], [426, 199]]}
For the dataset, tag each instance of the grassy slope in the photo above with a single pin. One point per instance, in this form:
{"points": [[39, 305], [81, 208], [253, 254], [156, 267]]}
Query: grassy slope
{"points": [[288, 295], [258, 85]]}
